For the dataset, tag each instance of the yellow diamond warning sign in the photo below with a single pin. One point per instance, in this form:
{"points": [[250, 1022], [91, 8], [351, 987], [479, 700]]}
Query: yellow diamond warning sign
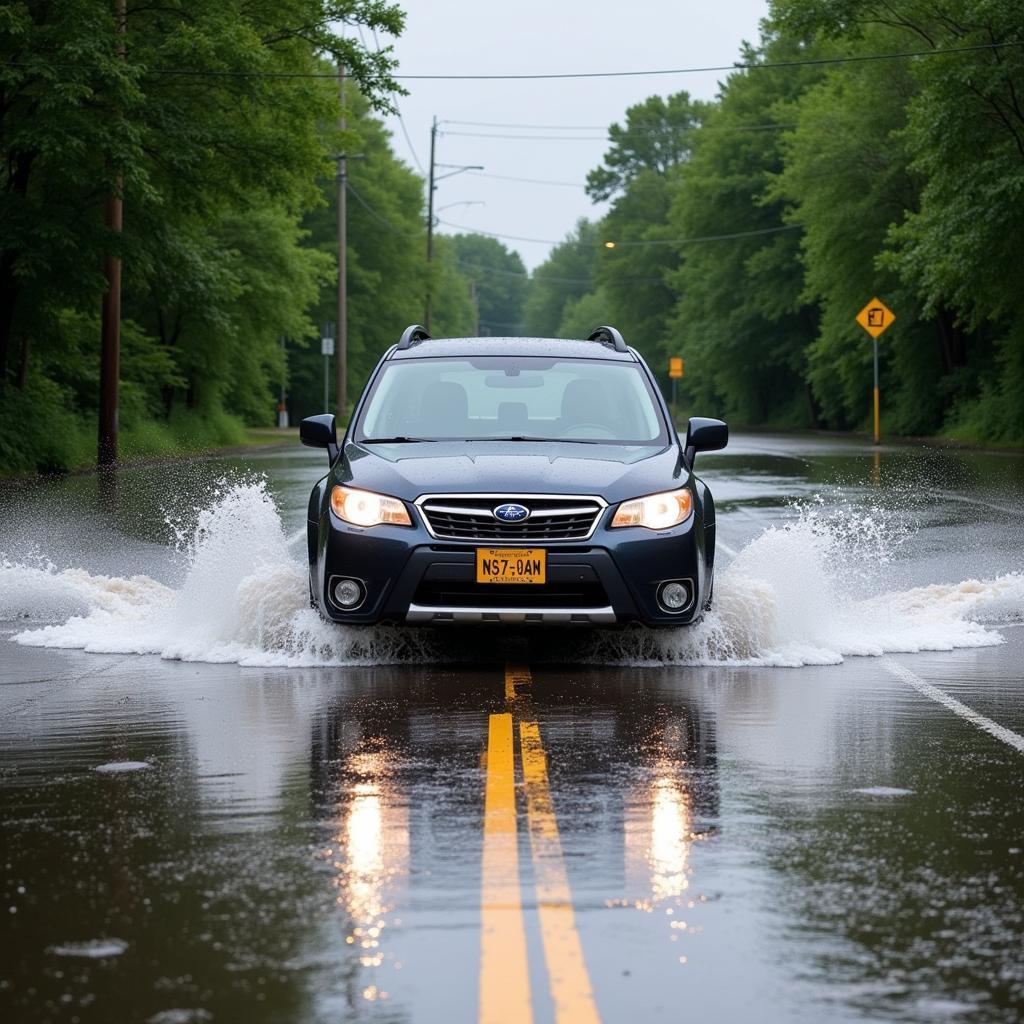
{"points": [[876, 317]]}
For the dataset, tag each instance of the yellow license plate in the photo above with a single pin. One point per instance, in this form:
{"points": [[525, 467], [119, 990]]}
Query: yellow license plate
{"points": [[511, 565]]}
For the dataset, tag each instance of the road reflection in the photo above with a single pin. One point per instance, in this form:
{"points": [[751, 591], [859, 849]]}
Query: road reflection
{"points": [[374, 862], [669, 836], [672, 803], [357, 787]]}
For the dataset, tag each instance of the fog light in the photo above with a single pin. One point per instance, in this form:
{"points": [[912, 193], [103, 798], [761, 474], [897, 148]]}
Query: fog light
{"points": [[347, 593], [675, 596]]}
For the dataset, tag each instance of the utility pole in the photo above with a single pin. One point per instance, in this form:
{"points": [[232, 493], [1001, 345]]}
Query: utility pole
{"points": [[430, 224], [341, 356], [475, 299], [434, 178], [110, 318], [326, 350]]}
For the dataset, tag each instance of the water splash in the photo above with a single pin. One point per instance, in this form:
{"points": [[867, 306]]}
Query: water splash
{"points": [[811, 592], [244, 599], [808, 592]]}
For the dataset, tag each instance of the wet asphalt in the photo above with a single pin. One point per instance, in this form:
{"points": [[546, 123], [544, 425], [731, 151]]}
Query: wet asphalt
{"points": [[509, 838]]}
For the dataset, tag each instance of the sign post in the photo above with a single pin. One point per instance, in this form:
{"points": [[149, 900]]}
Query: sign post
{"points": [[876, 318], [675, 371], [327, 350]]}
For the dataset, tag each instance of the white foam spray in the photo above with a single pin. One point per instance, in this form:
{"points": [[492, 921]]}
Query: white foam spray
{"points": [[244, 599], [807, 592]]}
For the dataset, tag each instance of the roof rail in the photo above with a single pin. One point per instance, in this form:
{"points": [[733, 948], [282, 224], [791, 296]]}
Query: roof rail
{"points": [[412, 335], [609, 336]]}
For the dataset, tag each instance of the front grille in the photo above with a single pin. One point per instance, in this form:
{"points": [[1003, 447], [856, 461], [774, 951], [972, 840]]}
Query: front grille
{"points": [[457, 593], [472, 518]]}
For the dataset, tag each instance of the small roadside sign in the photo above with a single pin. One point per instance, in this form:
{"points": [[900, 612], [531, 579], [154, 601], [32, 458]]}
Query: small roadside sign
{"points": [[327, 346], [675, 367], [876, 317]]}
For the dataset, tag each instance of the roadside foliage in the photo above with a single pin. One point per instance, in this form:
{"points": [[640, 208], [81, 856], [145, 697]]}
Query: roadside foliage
{"points": [[804, 191], [742, 234], [226, 164]]}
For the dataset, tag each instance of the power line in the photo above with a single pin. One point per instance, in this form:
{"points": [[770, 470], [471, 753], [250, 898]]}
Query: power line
{"points": [[643, 242], [586, 281], [628, 133], [530, 138], [378, 216], [528, 181], [547, 241], [408, 141], [751, 66], [398, 112], [738, 66], [709, 238], [548, 127], [522, 275], [495, 234]]}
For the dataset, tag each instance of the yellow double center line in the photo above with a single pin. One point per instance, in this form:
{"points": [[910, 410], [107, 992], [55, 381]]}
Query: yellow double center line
{"points": [[504, 975]]}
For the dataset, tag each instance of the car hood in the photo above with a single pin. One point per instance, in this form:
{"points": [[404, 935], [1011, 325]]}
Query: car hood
{"points": [[614, 472]]}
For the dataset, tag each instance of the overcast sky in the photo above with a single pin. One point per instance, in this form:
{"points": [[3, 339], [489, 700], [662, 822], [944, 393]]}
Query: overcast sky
{"points": [[543, 36]]}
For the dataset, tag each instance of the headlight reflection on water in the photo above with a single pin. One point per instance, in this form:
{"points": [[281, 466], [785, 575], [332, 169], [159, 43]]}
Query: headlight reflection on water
{"points": [[374, 846], [670, 836], [658, 835]]}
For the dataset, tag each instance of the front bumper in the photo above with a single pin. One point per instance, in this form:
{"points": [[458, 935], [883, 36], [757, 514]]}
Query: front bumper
{"points": [[411, 577]]}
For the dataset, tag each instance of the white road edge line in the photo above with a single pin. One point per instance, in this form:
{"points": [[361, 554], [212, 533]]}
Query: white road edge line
{"points": [[1000, 732]]}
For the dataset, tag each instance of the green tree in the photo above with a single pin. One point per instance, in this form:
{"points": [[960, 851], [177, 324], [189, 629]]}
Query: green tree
{"points": [[499, 282], [386, 263], [740, 320], [655, 138], [639, 173], [202, 139], [565, 276], [956, 246]]}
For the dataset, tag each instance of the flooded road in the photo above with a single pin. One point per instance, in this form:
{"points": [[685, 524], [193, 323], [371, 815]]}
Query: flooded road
{"points": [[214, 807]]}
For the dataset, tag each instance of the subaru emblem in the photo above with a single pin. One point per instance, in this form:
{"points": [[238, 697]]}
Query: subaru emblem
{"points": [[512, 513]]}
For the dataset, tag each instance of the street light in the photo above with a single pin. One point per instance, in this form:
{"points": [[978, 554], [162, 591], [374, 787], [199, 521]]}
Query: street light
{"points": [[463, 202]]}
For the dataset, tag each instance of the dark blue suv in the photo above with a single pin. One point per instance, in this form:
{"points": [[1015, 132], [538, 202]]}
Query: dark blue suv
{"points": [[512, 480]]}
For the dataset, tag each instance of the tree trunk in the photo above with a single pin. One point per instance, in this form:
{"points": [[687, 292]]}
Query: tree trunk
{"points": [[944, 324], [23, 363], [10, 287], [812, 407], [169, 340]]}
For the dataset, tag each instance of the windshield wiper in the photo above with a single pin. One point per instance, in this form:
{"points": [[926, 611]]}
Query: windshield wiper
{"points": [[522, 437], [397, 440]]}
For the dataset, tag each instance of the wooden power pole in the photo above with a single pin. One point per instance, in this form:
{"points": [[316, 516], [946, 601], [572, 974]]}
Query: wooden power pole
{"points": [[110, 330], [430, 226], [341, 355]]}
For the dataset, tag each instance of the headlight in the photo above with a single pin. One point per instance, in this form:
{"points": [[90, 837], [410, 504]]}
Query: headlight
{"points": [[362, 508], [656, 511]]}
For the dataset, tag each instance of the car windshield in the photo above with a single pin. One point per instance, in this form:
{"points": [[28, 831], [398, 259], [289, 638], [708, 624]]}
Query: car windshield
{"points": [[513, 398]]}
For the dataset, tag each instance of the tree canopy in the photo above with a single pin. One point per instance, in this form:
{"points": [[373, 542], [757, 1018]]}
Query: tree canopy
{"points": [[746, 234]]}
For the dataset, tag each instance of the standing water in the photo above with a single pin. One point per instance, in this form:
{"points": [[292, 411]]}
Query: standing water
{"points": [[816, 582]]}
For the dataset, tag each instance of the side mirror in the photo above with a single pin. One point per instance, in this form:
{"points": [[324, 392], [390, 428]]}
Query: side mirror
{"points": [[320, 432], [704, 435]]}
